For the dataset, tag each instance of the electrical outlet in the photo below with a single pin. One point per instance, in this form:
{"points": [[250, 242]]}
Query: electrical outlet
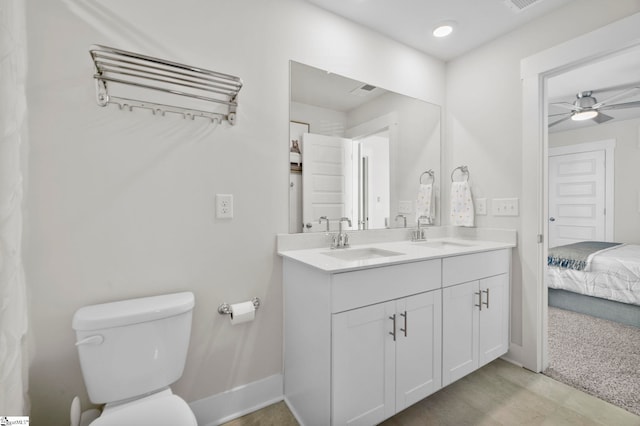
{"points": [[224, 206], [480, 205], [405, 207]]}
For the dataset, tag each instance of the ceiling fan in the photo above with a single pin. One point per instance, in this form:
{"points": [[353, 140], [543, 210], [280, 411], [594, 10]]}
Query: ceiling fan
{"points": [[587, 107]]}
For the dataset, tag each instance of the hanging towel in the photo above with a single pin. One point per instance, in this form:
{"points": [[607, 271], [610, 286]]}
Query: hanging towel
{"points": [[462, 213], [424, 202]]}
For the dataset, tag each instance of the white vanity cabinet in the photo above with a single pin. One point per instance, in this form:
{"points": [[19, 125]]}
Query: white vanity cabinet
{"points": [[385, 357], [342, 364], [475, 306], [361, 345]]}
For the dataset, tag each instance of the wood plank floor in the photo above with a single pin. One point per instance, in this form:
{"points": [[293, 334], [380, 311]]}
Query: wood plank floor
{"points": [[497, 394]]}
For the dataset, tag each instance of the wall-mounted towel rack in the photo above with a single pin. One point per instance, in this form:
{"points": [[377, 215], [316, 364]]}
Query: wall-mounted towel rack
{"points": [[193, 89], [430, 174], [463, 169]]}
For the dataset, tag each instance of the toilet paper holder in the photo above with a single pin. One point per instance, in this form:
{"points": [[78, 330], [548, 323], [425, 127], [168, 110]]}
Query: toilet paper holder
{"points": [[225, 308]]}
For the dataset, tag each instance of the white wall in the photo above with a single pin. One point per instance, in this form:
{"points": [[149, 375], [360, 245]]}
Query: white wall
{"points": [[322, 121], [121, 204], [627, 173], [415, 146], [483, 112]]}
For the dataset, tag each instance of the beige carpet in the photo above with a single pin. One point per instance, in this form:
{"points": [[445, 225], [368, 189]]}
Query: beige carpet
{"points": [[597, 356]]}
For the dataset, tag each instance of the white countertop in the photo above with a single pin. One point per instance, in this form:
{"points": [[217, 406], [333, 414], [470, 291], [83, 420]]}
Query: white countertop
{"points": [[322, 258]]}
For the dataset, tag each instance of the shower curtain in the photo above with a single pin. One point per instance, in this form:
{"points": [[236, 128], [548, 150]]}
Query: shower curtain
{"points": [[13, 132]]}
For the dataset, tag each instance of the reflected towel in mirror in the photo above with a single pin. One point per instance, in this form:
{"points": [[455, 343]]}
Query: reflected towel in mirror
{"points": [[424, 201]]}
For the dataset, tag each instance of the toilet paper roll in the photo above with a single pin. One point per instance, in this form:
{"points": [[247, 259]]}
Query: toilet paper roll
{"points": [[242, 312]]}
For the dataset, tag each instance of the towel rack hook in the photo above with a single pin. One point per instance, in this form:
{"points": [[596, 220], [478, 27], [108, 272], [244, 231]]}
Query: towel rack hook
{"points": [[429, 173], [102, 96], [463, 169]]}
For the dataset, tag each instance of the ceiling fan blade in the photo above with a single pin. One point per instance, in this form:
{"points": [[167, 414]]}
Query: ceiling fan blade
{"points": [[560, 120], [634, 104], [566, 105], [558, 115], [620, 95], [602, 118]]}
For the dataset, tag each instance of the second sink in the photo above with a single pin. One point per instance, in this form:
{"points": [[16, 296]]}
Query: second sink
{"points": [[443, 244], [361, 253]]}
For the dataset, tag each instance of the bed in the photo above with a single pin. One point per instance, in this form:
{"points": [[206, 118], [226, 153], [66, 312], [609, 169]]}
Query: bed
{"points": [[596, 278]]}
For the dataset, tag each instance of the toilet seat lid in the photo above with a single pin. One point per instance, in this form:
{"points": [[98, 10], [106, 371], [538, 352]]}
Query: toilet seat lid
{"points": [[169, 410]]}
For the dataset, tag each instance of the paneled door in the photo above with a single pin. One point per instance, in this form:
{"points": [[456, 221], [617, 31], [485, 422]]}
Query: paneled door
{"points": [[577, 197], [363, 370], [327, 177], [460, 342], [494, 318], [418, 348]]}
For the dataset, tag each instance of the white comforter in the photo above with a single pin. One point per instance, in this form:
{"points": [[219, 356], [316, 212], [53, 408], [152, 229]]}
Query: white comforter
{"points": [[611, 274]]}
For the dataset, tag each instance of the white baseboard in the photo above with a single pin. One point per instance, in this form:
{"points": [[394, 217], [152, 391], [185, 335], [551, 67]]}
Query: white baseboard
{"points": [[226, 406], [293, 411], [511, 361]]}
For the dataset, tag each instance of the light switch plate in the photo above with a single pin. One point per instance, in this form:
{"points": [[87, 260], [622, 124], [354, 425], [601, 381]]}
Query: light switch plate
{"points": [[505, 207]]}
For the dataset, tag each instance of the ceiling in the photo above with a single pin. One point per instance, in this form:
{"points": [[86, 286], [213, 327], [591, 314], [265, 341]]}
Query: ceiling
{"points": [[412, 21], [313, 86], [479, 21]]}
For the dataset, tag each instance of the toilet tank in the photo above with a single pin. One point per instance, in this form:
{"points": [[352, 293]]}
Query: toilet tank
{"points": [[133, 347]]}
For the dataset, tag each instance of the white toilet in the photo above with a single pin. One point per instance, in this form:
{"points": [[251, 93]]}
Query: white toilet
{"points": [[130, 352]]}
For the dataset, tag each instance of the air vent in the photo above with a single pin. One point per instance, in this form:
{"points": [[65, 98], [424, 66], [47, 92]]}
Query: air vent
{"points": [[520, 5], [363, 90]]}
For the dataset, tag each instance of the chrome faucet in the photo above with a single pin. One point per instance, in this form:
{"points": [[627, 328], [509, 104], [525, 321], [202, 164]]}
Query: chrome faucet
{"points": [[341, 239], [404, 218], [324, 218], [420, 234]]}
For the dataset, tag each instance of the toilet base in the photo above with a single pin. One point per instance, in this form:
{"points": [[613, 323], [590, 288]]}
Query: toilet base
{"points": [[159, 409]]}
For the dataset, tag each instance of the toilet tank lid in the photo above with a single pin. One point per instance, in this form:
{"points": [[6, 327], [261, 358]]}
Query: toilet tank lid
{"points": [[132, 311]]}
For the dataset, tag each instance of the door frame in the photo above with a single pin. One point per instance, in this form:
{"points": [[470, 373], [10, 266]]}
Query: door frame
{"points": [[601, 43], [608, 146]]}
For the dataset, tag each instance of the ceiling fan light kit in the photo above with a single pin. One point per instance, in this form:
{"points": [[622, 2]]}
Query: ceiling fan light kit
{"points": [[584, 115], [586, 107]]}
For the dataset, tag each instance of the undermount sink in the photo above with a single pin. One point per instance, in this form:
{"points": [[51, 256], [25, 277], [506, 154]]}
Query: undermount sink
{"points": [[360, 253], [443, 244]]}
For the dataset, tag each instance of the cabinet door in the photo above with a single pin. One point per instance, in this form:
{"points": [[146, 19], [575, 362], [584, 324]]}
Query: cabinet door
{"points": [[363, 365], [418, 347], [459, 331], [494, 318]]}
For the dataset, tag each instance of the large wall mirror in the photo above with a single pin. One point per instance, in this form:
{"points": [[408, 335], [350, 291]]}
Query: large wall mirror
{"points": [[360, 152]]}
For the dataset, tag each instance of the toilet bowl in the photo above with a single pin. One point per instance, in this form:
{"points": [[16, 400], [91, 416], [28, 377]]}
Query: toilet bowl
{"points": [[130, 352], [162, 408]]}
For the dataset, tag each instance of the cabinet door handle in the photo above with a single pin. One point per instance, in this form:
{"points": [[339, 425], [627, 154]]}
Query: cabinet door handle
{"points": [[405, 323], [479, 300], [393, 333], [487, 302]]}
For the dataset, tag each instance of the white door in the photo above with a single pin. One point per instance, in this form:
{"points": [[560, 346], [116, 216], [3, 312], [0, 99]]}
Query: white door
{"points": [[494, 318], [459, 331], [295, 203], [375, 177], [363, 365], [326, 176], [418, 347], [576, 197]]}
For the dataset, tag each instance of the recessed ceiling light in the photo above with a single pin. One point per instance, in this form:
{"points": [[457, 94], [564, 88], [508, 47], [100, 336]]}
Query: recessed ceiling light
{"points": [[443, 29]]}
